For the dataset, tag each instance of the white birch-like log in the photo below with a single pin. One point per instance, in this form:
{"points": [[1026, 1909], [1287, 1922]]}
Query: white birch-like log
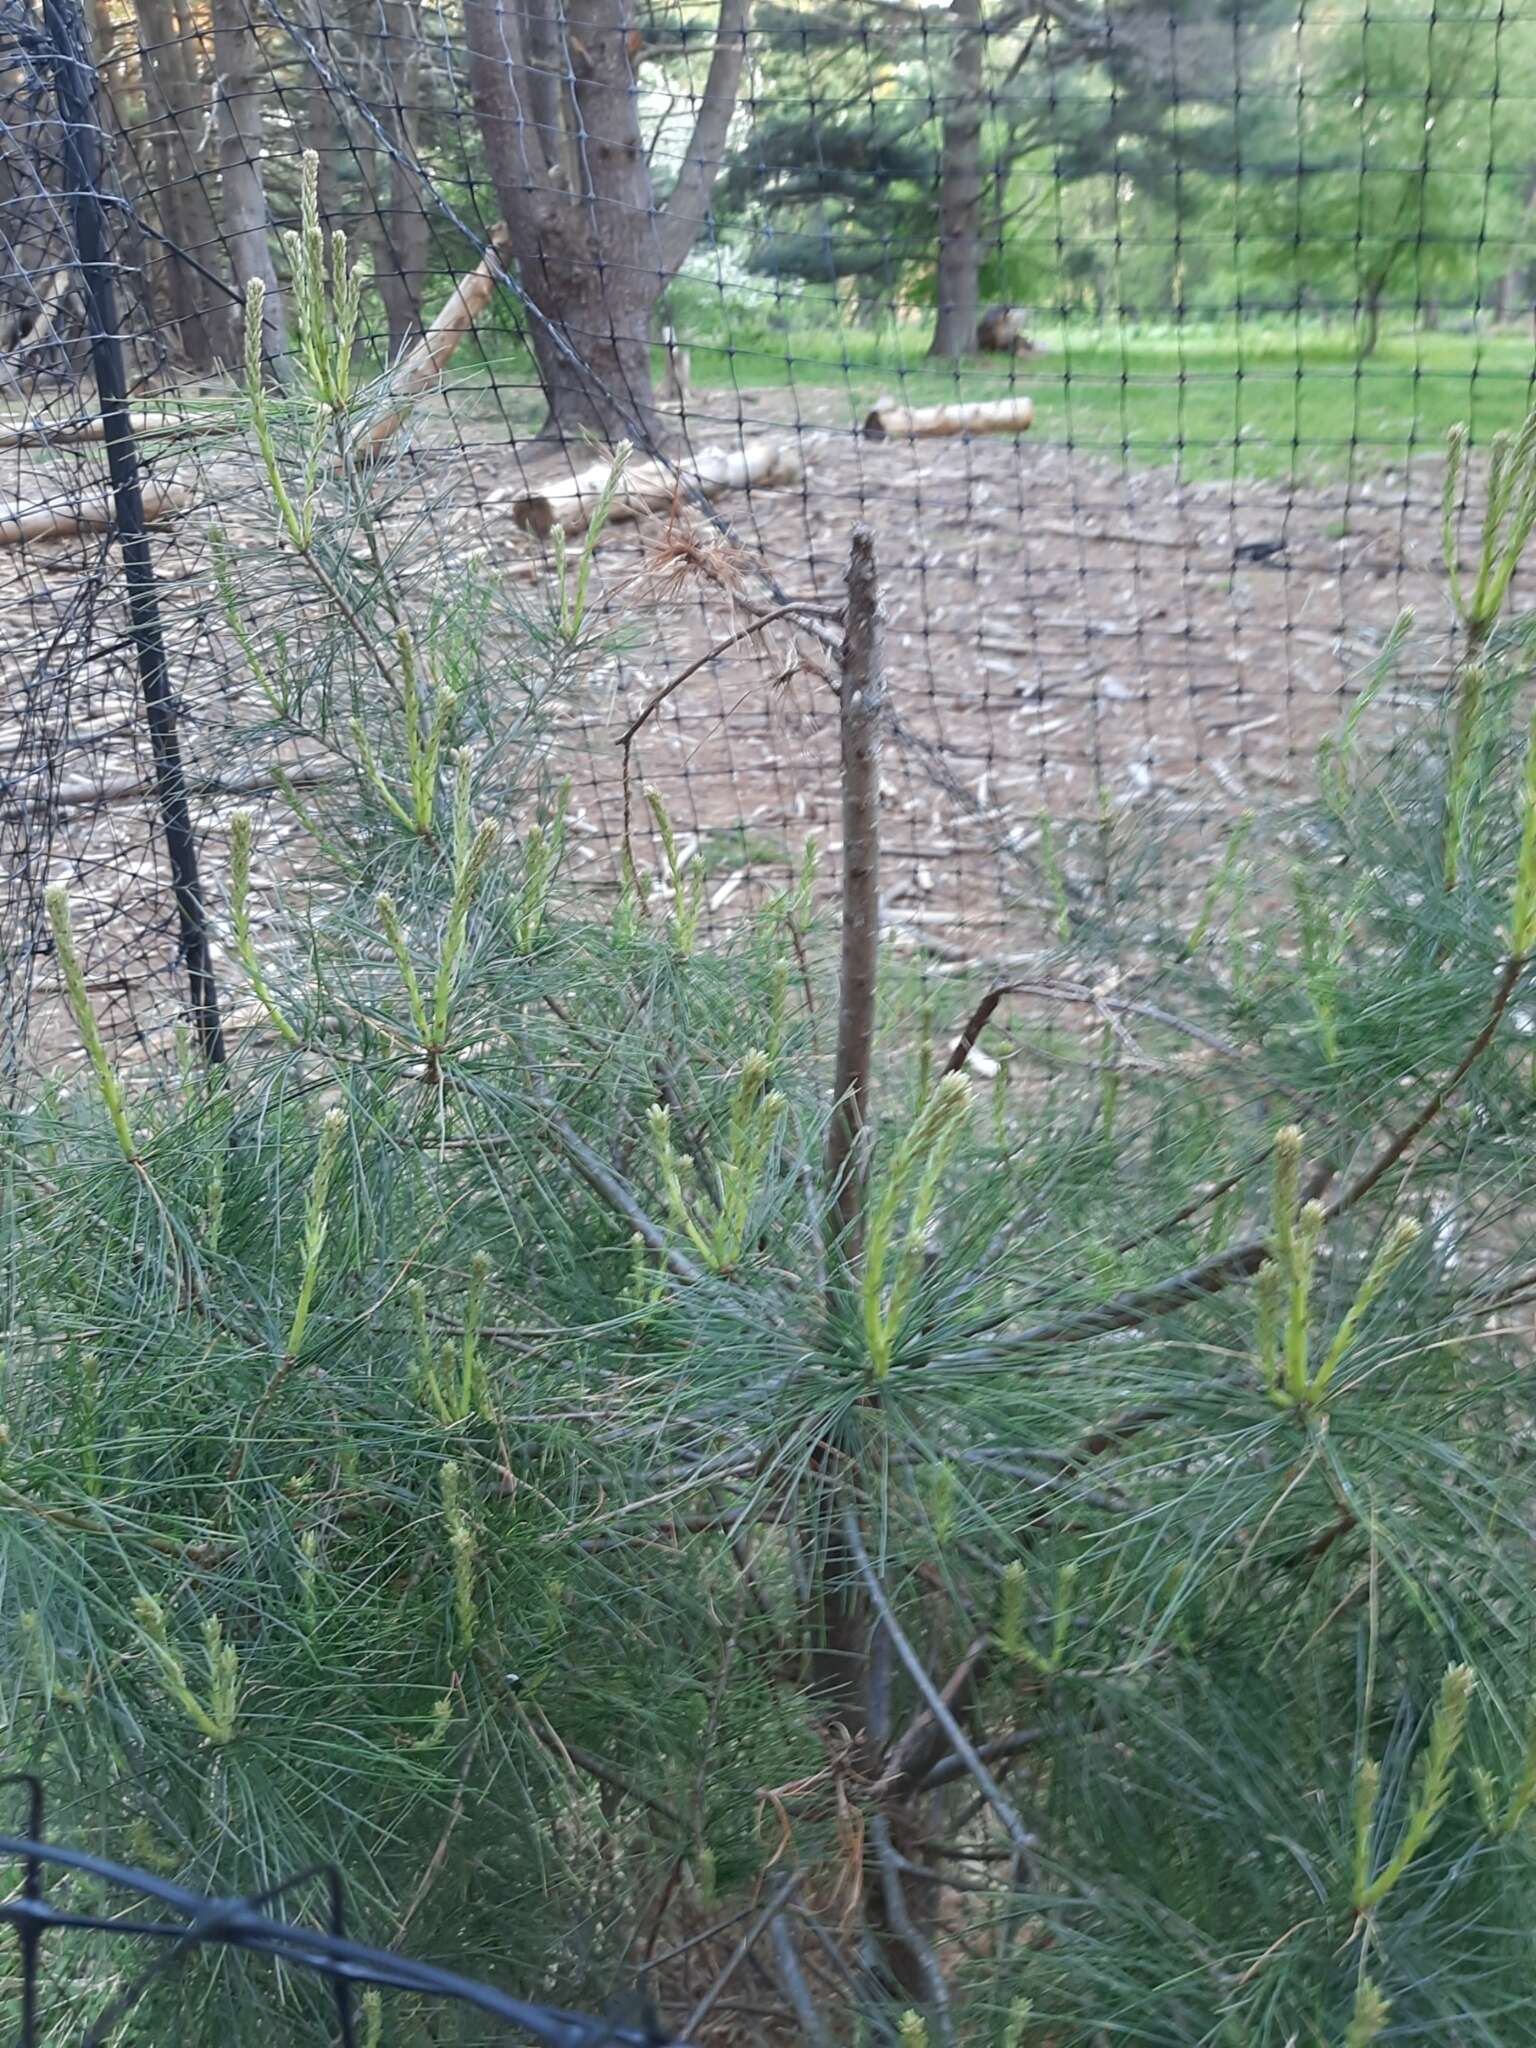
{"points": [[644, 486], [22, 523], [421, 367], [887, 420]]}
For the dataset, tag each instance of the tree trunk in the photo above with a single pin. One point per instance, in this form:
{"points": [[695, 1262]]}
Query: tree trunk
{"points": [[175, 97], [584, 258], [1368, 324], [594, 251], [402, 243], [960, 188], [236, 58], [322, 117]]}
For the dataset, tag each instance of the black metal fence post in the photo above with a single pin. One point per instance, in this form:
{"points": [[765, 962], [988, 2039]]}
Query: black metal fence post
{"points": [[74, 75]]}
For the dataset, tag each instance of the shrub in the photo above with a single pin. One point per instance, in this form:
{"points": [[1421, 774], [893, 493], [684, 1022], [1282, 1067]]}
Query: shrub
{"points": [[1084, 1540]]}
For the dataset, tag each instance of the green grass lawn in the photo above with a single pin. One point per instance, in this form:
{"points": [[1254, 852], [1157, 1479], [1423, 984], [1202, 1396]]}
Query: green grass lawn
{"points": [[1269, 401]]}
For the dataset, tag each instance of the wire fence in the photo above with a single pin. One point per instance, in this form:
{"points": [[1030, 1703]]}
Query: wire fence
{"points": [[115, 1914], [1213, 283]]}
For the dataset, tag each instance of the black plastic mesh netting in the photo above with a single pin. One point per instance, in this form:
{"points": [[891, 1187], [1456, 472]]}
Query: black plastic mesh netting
{"points": [[1246, 264]]}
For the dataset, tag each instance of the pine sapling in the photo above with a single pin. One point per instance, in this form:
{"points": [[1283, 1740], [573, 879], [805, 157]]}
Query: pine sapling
{"points": [[1335, 757], [645, 1284], [1501, 1818], [277, 694], [1020, 2012], [316, 1226], [1056, 879], [1322, 952], [543, 851], [1369, 2018], [297, 524], [572, 583], [1509, 518], [1399, 1241], [468, 880], [756, 1112], [1522, 920], [1296, 1338], [1012, 1635], [461, 1554], [324, 322], [940, 1494], [719, 1225], [394, 936], [1220, 882]]}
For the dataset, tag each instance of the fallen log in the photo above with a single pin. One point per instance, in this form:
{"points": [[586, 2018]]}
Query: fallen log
{"points": [[984, 416], [419, 369], [77, 433], [90, 514], [77, 793], [645, 486]]}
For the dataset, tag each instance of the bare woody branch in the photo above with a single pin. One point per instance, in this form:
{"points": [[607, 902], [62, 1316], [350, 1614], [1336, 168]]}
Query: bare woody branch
{"points": [[862, 700]]}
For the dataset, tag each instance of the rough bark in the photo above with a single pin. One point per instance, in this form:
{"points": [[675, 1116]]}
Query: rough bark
{"points": [[860, 720], [236, 58], [175, 99], [402, 240], [960, 187], [593, 248]]}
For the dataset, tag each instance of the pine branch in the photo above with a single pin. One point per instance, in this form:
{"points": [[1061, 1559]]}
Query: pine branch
{"points": [[1138, 1305]]}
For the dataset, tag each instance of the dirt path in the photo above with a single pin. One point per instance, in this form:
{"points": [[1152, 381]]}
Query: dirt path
{"points": [[1062, 636]]}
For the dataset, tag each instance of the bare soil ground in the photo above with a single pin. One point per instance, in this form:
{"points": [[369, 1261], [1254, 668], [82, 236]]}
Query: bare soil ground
{"points": [[1062, 636]]}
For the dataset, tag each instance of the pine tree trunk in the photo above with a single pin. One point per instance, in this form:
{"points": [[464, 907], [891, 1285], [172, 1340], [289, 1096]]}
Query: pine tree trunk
{"points": [[175, 98], [960, 188], [402, 245], [587, 258], [594, 250], [1368, 325], [236, 61]]}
